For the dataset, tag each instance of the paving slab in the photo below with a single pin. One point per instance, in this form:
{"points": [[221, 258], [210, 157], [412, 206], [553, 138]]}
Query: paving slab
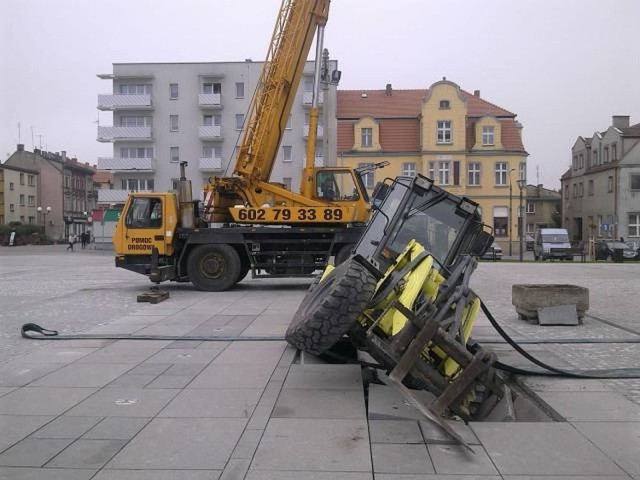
{"points": [[396, 458], [212, 403], [250, 353], [83, 375], [33, 452], [87, 453], [618, 440], [50, 354], [454, 459], [391, 476], [542, 449], [42, 400], [395, 431], [67, 427], [185, 355], [323, 376], [255, 375], [157, 475], [432, 433], [307, 475], [16, 427], [116, 428], [181, 443], [387, 403], [21, 473], [592, 406], [314, 445], [124, 402], [18, 374], [310, 403]]}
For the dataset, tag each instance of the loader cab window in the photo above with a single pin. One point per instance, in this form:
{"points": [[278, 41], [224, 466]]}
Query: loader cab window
{"points": [[336, 186], [145, 213]]}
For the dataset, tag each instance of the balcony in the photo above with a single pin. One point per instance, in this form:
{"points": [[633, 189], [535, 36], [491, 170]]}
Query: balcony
{"points": [[112, 134], [320, 131], [126, 164], [123, 102], [307, 97], [210, 163], [112, 196], [209, 100], [210, 132]]}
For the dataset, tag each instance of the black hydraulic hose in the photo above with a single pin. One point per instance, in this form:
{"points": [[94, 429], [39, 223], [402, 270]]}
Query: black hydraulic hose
{"points": [[552, 371]]}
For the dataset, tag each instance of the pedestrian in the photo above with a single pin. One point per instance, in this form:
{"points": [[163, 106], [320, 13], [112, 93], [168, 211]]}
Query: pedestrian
{"points": [[72, 240], [83, 239]]}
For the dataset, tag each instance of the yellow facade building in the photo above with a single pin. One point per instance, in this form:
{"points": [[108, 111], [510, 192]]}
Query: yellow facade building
{"points": [[464, 143]]}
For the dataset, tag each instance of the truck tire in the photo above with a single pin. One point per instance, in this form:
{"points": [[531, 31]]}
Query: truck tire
{"points": [[214, 268], [331, 308]]}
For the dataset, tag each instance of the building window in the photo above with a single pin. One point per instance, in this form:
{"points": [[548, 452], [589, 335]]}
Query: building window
{"points": [[22, 179], [443, 173], [522, 171], [136, 152], [581, 161], [239, 89], [590, 187], [239, 121], [173, 91], [635, 181], [367, 178], [287, 182], [605, 155], [32, 220], [531, 207], [173, 122], [610, 184], [500, 221], [409, 169], [634, 225], [31, 199], [581, 189], [12, 208], [432, 170], [135, 121], [10, 185], [174, 154], [566, 192], [22, 200], [137, 184], [444, 131], [31, 180], [595, 158], [211, 120], [289, 122], [614, 152], [209, 88], [286, 153], [502, 170], [473, 174], [366, 137], [575, 162], [135, 89], [487, 136], [445, 104], [575, 190], [211, 151]]}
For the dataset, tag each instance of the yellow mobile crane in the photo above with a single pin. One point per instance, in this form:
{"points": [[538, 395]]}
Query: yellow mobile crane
{"points": [[248, 222]]}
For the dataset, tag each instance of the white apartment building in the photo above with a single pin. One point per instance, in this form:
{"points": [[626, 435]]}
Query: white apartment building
{"points": [[165, 113]]}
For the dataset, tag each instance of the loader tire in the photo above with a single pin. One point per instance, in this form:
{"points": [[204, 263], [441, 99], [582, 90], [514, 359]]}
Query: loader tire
{"points": [[214, 268], [331, 307], [343, 254]]}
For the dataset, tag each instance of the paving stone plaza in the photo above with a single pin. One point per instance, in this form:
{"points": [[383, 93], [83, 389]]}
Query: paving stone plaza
{"points": [[109, 409]]}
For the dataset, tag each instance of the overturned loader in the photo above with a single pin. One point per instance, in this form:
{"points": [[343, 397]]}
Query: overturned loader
{"points": [[404, 297]]}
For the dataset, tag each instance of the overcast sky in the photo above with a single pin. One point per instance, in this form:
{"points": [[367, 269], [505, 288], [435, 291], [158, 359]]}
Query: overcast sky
{"points": [[563, 66]]}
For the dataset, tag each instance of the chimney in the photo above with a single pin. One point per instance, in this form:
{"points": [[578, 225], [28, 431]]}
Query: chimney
{"points": [[21, 147], [620, 121], [388, 90], [63, 153], [476, 93]]}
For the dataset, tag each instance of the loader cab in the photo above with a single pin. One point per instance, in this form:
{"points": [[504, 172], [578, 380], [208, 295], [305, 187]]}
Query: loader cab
{"points": [[446, 225]]}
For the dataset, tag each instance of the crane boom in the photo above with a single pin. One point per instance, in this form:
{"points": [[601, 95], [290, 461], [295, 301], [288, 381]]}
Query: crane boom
{"points": [[271, 104]]}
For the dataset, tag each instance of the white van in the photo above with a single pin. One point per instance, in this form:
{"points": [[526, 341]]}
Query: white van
{"points": [[552, 243]]}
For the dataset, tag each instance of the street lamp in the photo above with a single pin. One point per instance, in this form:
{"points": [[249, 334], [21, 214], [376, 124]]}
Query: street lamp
{"points": [[510, 211], [44, 212], [522, 184]]}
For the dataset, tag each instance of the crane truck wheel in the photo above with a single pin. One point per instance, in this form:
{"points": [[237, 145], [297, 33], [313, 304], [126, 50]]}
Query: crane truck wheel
{"points": [[331, 308], [214, 268]]}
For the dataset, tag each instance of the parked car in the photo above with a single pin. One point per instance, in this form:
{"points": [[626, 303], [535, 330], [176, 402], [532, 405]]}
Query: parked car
{"points": [[552, 243], [494, 252], [606, 250]]}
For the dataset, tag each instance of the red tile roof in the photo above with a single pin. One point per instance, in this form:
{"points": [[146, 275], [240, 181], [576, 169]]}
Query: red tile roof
{"points": [[103, 177]]}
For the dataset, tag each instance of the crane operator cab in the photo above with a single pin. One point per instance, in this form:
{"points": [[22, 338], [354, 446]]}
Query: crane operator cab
{"points": [[337, 186]]}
